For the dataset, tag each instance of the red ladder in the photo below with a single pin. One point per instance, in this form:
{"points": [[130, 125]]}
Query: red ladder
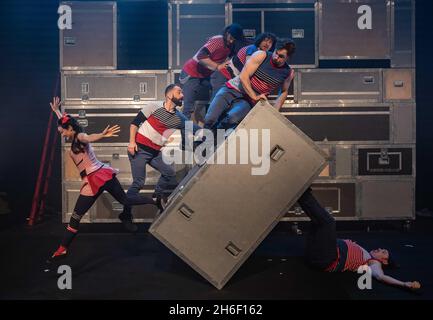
{"points": [[39, 200]]}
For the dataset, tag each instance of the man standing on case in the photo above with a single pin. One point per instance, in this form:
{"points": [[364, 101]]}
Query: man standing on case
{"points": [[263, 73], [212, 56]]}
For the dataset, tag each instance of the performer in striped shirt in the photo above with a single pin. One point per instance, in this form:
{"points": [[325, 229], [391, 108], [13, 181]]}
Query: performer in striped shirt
{"points": [[264, 41], [196, 72], [325, 252], [149, 132], [263, 73]]}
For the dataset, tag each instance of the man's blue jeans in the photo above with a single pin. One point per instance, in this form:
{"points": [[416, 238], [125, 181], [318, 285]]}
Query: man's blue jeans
{"points": [[193, 89], [227, 109], [166, 183]]}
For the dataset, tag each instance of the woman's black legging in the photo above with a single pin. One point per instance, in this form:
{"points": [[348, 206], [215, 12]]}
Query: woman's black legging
{"points": [[84, 203], [321, 242]]}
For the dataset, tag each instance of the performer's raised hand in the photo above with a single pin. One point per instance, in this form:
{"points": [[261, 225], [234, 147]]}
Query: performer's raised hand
{"points": [[111, 131], [55, 106]]}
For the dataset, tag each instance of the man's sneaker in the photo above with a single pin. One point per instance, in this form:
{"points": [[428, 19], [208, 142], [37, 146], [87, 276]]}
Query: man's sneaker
{"points": [[127, 223]]}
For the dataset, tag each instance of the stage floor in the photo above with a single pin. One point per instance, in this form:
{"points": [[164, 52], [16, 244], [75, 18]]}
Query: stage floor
{"points": [[108, 263]]}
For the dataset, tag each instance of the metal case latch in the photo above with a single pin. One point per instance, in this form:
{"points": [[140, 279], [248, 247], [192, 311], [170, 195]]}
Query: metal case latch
{"points": [[298, 34], [384, 157], [69, 41], [368, 80], [298, 211], [329, 209], [81, 113]]}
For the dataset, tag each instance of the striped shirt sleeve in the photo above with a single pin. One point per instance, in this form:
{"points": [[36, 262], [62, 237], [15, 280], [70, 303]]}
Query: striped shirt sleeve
{"points": [[203, 53], [251, 49], [149, 109], [214, 44], [139, 119]]}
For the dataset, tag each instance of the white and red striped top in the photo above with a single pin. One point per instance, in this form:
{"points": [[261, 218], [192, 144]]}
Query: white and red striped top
{"points": [[266, 79], [356, 257], [86, 161], [218, 52], [155, 125], [94, 173]]}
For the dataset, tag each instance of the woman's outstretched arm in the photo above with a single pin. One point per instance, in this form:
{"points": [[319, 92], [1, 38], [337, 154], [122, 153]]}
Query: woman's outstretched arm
{"points": [[108, 132]]}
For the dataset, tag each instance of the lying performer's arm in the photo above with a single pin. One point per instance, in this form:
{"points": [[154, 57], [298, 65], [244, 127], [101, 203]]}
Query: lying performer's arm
{"points": [[55, 106], [247, 72], [377, 272], [285, 91], [108, 132]]}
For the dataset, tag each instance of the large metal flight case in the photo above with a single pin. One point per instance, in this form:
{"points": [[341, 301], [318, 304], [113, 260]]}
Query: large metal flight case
{"points": [[219, 214]]}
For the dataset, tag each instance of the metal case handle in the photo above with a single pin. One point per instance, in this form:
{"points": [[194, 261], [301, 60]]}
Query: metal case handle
{"points": [[116, 206], [368, 80], [143, 87], [276, 153], [233, 249], [85, 88], [186, 211], [398, 83]]}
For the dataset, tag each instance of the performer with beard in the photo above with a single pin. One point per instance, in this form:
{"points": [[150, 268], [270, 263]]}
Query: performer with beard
{"points": [[149, 131], [212, 56]]}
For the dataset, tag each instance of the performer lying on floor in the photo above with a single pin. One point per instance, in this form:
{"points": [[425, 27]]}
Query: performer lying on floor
{"points": [[97, 177], [325, 252]]}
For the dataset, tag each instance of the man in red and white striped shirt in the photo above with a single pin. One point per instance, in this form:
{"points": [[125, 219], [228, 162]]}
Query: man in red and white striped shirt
{"points": [[196, 72], [326, 252], [264, 41], [149, 132], [263, 73]]}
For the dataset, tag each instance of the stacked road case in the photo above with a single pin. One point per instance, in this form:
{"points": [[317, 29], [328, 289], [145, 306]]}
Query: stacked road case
{"points": [[100, 98], [97, 94], [362, 118]]}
